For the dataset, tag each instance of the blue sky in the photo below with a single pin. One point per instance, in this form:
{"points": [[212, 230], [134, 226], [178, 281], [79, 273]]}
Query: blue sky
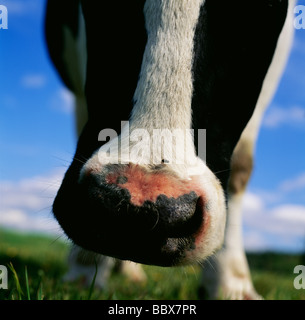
{"points": [[37, 139]]}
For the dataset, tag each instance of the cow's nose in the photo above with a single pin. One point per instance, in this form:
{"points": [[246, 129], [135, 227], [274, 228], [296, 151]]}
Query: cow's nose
{"points": [[130, 201], [133, 213]]}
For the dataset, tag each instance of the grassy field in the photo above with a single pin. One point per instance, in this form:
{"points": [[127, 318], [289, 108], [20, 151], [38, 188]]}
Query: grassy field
{"points": [[36, 265]]}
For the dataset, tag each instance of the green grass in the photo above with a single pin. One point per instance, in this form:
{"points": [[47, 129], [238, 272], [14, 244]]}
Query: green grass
{"points": [[37, 263]]}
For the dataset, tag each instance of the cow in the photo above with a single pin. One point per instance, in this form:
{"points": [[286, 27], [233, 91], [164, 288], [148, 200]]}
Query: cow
{"points": [[199, 71]]}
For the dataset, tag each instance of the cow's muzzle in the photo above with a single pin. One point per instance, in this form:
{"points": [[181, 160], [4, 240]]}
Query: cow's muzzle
{"points": [[128, 212]]}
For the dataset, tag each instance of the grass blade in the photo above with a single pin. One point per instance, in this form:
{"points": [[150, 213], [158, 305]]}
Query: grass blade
{"points": [[93, 281], [27, 284], [39, 293], [17, 282]]}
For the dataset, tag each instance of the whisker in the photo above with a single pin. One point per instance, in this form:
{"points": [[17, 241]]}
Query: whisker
{"points": [[56, 239], [194, 272], [221, 171], [44, 209], [82, 161], [62, 159], [211, 264]]}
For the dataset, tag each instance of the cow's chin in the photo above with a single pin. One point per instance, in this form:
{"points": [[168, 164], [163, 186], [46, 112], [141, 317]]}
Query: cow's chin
{"points": [[175, 222]]}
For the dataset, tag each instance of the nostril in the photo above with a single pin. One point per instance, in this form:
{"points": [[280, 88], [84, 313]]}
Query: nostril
{"points": [[190, 225], [179, 217]]}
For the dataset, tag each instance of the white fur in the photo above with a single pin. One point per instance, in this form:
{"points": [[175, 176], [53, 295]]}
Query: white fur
{"points": [[164, 92]]}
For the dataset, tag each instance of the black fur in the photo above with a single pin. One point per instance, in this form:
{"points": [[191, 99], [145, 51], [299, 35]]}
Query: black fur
{"points": [[60, 14], [234, 45]]}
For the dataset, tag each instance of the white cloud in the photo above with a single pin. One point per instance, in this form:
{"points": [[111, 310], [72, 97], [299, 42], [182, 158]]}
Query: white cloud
{"points": [[33, 81], [280, 194], [255, 241], [13, 217], [276, 117], [63, 101], [287, 220], [26, 204], [285, 224], [295, 184]]}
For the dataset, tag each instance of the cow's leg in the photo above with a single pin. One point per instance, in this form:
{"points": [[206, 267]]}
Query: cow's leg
{"points": [[133, 271], [227, 274], [82, 267]]}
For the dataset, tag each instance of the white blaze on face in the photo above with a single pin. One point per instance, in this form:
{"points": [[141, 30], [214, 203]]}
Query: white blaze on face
{"points": [[160, 123], [164, 92]]}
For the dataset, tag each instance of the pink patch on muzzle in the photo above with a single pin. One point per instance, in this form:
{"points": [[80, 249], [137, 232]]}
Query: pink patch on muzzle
{"points": [[143, 185]]}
